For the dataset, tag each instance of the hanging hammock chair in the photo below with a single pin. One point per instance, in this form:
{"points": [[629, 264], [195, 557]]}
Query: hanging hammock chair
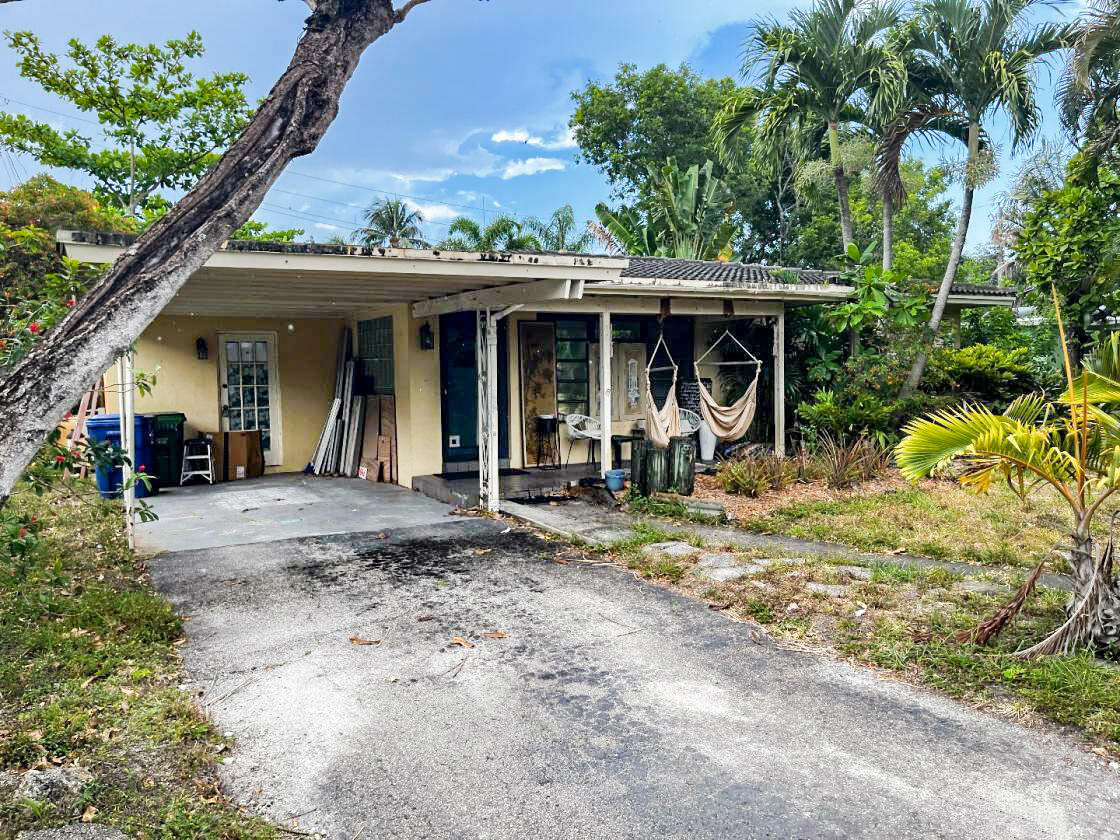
{"points": [[729, 422], [665, 422]]}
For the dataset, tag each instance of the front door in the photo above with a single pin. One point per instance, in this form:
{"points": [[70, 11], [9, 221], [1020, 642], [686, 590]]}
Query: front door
{"points": [[457, 346], [250, 390]]}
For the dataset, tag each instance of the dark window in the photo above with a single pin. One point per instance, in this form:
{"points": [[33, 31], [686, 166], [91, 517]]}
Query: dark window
{"points": [[572, 367], [375, 350]]}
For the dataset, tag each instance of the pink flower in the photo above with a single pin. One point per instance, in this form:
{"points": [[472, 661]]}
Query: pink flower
{"points": [[60, 458], [34, 329], [72, 302]]}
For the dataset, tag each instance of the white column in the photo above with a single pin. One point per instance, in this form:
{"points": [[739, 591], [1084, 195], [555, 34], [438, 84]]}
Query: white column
{"points": [[482, 436], [492, 411], [128, 441], [605, 342], [780, 384]]}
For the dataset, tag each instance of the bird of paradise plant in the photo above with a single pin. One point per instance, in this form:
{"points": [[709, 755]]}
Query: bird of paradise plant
{"points": [[1072, 444]]}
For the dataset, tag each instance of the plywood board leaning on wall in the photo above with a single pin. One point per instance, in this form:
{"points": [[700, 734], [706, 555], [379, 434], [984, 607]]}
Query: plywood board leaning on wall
{"points": [[537, 349]]}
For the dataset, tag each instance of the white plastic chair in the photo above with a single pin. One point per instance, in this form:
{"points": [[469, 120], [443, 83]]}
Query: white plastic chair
{"points": [[582, 427], [690, 422]]}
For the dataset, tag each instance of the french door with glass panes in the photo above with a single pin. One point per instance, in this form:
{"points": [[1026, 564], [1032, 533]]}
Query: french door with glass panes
{"points": [[250, 391]]}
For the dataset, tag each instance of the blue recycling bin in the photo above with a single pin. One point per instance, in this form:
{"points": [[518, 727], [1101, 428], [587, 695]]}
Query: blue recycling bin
{"points": [[107, 428]]}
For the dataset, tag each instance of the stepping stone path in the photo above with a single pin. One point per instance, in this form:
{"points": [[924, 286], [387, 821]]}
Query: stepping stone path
{"points": [[720, 566], [855, 572], [672, 551], [983, 587]]}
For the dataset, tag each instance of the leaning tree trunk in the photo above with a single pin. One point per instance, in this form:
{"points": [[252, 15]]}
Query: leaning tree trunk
{"points": [[930, 332], [289, 123]]}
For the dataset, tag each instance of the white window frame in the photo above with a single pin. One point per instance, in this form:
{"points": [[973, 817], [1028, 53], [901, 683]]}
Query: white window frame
{"points": [[275, 455]]}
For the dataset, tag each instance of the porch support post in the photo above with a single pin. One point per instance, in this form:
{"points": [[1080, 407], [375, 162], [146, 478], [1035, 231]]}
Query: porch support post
{"points": [[127, 404], [780, 383], [486, 355], [605, 342]]}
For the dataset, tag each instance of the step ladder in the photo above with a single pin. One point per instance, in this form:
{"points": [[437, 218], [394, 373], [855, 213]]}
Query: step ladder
{"points": [[198, 460]]}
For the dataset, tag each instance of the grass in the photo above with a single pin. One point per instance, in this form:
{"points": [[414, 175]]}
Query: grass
{"points": [[938, 520], [668, 509], [904, 618], [90, 675]]}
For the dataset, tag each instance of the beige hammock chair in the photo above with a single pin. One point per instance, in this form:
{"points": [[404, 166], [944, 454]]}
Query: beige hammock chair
{"points": [[665, 422], [729, 422]]}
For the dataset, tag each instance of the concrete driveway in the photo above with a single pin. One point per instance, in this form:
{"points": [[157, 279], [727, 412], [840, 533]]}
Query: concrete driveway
{"points": [[276, 507], [603, 707]]}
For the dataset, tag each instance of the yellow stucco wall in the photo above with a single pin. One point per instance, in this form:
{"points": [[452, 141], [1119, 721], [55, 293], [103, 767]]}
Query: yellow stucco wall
{"points": [[306, 357]]}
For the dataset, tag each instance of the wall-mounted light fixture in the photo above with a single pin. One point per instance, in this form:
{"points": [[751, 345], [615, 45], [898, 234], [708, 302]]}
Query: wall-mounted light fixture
{"points": [[427, 337], [201, 349]]}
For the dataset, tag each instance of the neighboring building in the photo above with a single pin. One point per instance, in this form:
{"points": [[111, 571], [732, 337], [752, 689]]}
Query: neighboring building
{"points": [[267, 318]]}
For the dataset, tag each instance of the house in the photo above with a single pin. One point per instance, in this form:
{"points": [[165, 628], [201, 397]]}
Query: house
{"points": [[474, 347]]}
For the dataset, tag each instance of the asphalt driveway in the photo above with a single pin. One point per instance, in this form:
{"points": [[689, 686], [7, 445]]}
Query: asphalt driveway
{"points": [[591, 705]]}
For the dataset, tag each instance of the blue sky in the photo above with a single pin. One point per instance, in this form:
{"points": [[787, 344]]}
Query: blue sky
{"points": [[461, 109]]}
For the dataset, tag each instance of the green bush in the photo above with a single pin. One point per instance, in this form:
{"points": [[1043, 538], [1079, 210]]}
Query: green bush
{"points": [[981, 371], [754, 475]]}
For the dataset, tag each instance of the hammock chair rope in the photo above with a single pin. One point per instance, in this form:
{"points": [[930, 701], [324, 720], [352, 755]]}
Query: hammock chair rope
{"points": [[665, 422], [729, 422]]}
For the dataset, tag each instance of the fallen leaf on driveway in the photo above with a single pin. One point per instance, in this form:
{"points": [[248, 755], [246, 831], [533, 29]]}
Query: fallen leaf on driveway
{"points": [[358, 640], [461, 642], [862, 609], [897, 551], [493, 634], [793, 606], [89, 814], [478, 551], [507, 530], [424, 617]]}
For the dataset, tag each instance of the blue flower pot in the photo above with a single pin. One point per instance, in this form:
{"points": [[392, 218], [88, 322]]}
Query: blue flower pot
{"points": [[616, 480]]}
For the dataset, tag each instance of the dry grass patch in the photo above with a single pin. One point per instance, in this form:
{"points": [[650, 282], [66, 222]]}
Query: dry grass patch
{"points": [[935, 519]]}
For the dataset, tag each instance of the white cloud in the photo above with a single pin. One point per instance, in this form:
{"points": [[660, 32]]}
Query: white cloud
{"points": [[434, 212], [563, 140], [323, 226], [532, 166]]}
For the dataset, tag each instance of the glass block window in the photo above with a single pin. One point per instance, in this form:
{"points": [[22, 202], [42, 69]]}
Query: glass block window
{"points": [[247, 382], [573, 391], [375, 350]]}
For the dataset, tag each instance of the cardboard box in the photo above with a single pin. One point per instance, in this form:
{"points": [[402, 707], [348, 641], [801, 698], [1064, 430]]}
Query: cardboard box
{"points": [[243, 455], [218, 451]]}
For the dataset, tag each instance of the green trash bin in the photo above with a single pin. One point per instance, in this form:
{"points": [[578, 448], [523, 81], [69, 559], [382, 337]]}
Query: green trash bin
{"points": [[167, 429]]}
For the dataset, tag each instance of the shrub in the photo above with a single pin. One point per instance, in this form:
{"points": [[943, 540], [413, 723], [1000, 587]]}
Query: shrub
{"points": [[982, 371], [846, 462], [839, 418], [754, 475]]}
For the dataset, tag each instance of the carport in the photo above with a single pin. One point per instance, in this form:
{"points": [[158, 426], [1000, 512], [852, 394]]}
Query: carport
{"points": [[278, 507]]}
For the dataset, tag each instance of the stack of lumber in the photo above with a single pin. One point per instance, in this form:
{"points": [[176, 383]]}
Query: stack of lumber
{"points": [[359, 433], [339, 448]]}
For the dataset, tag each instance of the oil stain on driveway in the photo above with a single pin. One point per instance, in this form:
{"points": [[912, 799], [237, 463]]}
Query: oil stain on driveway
{"points": [[457, 681]]}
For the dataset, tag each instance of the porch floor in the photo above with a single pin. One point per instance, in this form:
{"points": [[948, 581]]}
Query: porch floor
{"points": [[463, 492]]}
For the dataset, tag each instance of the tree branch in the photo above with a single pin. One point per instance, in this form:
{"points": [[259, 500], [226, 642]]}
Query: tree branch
{"points": [[401, 13]]}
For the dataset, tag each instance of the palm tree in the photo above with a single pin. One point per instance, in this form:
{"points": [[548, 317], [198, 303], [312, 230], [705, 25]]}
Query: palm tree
{"points": [[503, 234], [390, 223], [973, 59], [815, 68], [1071, 445], [558, 233], [686, 215], [1089, 93]]}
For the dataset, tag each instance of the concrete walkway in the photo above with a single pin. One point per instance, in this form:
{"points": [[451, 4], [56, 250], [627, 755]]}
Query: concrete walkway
{"points": [[599, 526], [277, 507], [466, 680]]}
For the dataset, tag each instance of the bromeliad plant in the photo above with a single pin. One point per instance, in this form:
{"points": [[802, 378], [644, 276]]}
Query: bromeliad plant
{"points": [[1071, 444]]}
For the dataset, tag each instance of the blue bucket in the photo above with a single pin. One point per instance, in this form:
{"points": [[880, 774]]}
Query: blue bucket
{"points": [[616, 480]]}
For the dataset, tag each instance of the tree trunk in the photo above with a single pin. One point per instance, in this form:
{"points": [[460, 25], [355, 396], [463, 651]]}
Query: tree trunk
{"points": [[888, 232], [841, 185], [942, 299], [289, 123]]}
